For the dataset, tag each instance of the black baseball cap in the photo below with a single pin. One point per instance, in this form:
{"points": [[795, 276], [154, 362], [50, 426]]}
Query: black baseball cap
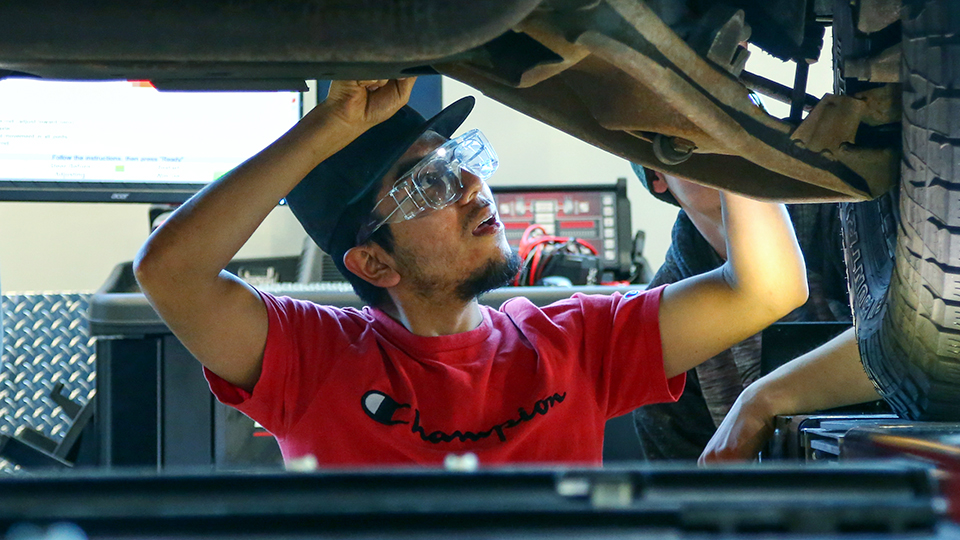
{"points": [[334, 200]]}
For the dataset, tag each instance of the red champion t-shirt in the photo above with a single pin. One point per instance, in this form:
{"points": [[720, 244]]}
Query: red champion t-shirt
{"points": [[529, 385]]}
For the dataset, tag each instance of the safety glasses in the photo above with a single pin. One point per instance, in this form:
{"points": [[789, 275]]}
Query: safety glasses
{"points": [[434, 182]]}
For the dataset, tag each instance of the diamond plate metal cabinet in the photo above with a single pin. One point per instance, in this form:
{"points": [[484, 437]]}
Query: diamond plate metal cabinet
{"points": [[45, 341]]}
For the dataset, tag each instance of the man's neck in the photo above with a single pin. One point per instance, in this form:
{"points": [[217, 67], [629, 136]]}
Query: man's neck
{"points": [[434, 317]]}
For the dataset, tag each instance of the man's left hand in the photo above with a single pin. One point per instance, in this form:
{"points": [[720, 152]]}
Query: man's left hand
{"points": [[743, 431]]}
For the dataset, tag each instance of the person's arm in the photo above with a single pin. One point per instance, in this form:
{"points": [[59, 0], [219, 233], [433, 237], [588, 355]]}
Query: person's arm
{"points": [[221, 320], [763, 279], [829, 376]]}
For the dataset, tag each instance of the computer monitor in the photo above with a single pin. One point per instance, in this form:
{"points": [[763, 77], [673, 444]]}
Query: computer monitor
{"points": [[124, 141]]}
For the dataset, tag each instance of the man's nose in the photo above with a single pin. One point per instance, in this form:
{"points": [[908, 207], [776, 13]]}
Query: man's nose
{"points": [[472, 186]]}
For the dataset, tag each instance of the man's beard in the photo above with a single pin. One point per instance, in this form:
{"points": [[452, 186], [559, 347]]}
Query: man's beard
{"points": [[496, 273]]}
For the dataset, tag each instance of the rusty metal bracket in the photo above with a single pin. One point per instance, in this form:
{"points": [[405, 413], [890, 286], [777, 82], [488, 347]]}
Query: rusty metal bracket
{"points": [[882, 68]]}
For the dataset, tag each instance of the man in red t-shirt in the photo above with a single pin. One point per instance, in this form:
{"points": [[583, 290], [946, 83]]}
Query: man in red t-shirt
{"points": [[426, 371]]}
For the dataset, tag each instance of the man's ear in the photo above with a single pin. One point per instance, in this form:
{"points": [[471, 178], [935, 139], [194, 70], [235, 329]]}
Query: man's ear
{"points": [[372, 264], [657, 182]]}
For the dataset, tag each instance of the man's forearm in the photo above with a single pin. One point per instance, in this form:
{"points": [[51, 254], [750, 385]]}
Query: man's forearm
{"points": [[829, 376]]}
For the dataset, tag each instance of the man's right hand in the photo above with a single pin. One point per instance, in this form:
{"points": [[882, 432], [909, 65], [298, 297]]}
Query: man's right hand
{"points": [[367, 103]]}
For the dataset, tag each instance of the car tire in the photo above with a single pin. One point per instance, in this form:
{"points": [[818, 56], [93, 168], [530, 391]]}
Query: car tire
{"points": [[903, 249]]}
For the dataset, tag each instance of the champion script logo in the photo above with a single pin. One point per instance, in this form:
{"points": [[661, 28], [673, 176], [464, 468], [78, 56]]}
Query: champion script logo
{"points": [[383, 409]]}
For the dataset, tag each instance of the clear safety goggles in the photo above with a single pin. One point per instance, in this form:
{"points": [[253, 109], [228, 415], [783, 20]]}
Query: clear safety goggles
{"points": [[434, 182]]}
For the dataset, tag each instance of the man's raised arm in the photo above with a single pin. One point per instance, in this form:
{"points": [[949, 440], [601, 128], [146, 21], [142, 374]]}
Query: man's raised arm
{"points": [[763, 279], [220, 319]]}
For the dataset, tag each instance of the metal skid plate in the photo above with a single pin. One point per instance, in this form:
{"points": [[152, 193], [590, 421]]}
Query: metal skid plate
{"points": [[613, 74], [45, 341]]}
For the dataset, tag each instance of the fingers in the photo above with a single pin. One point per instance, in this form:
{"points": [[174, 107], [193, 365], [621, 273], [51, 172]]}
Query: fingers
{"points": [[353, 87], [735, 442], [711, 454], [373, 84], [405, 86], [367, 102], [714, 455]]}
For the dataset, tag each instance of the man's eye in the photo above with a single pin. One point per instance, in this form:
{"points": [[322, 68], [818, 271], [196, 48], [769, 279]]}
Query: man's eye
{"points": [[432, 177], [434, 183]]}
